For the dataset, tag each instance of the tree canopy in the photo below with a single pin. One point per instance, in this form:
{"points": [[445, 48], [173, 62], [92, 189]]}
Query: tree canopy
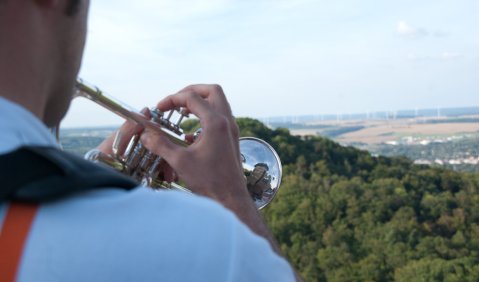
{"points": [[344, 215]]}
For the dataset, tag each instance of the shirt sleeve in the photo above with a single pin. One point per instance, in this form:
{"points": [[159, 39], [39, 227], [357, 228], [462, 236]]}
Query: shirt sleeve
{"points": [[253, 259]]}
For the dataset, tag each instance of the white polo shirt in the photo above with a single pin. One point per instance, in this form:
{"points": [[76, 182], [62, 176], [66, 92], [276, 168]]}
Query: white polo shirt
{"points": [[138, 235]]}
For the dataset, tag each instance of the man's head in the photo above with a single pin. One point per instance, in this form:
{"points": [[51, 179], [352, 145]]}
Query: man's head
{"points": [[41, 46], [73, 7], [71, 43]]}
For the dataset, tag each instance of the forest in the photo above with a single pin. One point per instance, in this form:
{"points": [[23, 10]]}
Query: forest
{"points": [[342, 214]]}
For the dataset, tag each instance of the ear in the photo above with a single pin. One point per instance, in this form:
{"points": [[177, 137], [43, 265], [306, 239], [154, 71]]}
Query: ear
{"points": [[47, 3]]}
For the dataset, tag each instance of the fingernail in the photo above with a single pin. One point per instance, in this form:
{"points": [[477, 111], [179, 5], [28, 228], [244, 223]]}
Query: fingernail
{"points": [[144, 110]]}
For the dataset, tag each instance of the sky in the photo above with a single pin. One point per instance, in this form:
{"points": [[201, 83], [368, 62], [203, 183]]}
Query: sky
{"points": [[284, 57]]}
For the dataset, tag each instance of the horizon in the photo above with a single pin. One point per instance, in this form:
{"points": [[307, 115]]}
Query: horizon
{"points": [[379, 115], [285, 57]]}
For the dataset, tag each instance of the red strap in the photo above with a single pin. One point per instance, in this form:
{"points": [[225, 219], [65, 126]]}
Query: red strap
{"points": [[16, 227]]}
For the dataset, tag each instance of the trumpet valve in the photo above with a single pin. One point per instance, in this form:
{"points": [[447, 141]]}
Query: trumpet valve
{"points": [[156, 115], [182, 114], [170, 114]]}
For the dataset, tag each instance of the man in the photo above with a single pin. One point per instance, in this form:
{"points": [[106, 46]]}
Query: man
{"points": [[111, 234], [258, 181]]}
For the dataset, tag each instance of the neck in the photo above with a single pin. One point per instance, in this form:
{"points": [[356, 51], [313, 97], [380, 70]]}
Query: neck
{"points": [[26, 93]]}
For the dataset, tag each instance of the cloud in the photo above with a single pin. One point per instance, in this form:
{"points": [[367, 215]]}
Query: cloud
{"points": [[405, 30], [444, 56], [450, 56]]}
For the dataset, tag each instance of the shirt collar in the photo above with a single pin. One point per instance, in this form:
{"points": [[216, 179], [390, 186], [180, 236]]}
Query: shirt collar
{"points": [[19, 127]]}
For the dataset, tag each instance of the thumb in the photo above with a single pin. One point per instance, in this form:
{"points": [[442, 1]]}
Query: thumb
{"points": [[126, 132]]}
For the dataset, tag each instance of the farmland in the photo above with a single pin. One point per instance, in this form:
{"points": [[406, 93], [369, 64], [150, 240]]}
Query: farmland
{"points": [[451, 142]]}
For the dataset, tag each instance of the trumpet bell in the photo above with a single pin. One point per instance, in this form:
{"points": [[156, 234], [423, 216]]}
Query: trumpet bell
{"points": [[262, 169]]}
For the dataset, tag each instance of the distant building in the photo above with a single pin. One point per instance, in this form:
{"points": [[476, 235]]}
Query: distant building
{"points": [[422, 162], [425, 142], [472, 161]]}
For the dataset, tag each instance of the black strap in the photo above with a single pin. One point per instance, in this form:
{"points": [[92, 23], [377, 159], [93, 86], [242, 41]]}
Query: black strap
{"points": [[41, 174]]}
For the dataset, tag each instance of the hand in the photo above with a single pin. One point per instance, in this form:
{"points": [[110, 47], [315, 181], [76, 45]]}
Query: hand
{"points": [[124, 133], [211, 166], [123, 136]]}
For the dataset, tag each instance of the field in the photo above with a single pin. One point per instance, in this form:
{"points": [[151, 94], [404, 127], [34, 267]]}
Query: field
{"points": [[449, 142], [392, 132], [383, 131]]}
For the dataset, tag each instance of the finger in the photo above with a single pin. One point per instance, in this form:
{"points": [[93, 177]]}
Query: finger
{"points": [[106, 145], [126, 132], [168, 174], [207, 90], [159, 144], [188, 99], [190, 138], [215, 96], [127, 129], [213, 93], [217, 99]]}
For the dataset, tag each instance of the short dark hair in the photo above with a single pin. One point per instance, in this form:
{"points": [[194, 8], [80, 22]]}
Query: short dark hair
{"points": [[72, 7]]}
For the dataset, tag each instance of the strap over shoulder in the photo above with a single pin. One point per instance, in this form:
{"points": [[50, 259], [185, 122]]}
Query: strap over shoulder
{"points": [[42, 174]]}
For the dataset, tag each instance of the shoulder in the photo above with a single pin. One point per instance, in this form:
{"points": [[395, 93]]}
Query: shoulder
{"points": [[163, 235], [165, 214]]}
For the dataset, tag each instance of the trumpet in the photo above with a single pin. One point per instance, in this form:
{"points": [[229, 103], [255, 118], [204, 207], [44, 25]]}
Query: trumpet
{"points": [[261, 163]]}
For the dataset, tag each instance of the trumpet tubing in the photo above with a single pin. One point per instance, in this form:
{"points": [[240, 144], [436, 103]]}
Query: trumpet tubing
{"points": [[261, 164]]}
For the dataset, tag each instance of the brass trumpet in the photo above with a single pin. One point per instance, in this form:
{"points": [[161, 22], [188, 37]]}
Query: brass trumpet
{"points": [[261, 164]]}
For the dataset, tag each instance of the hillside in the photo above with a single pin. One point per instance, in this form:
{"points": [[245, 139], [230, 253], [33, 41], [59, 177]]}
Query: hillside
{"points": [[344, 215]]}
